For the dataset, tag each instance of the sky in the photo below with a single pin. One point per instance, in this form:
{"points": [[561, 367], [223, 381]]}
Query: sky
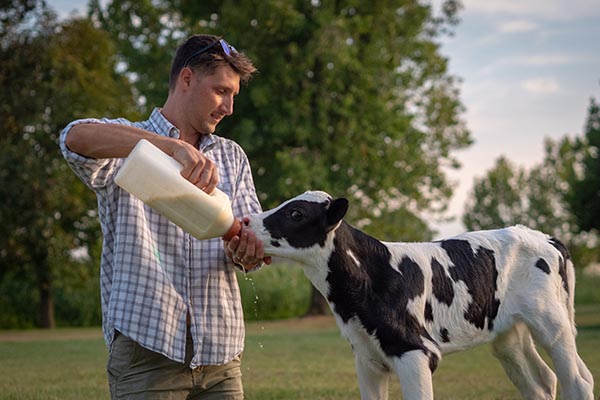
{"points": [[528, 70]]}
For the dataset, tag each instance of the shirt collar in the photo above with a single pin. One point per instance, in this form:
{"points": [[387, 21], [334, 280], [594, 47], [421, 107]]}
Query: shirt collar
{"points": [[162, 125], [206, 142]]}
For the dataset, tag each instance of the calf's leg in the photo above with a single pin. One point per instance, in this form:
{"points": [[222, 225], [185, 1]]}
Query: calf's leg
{"points": [[415, 375], [373, 382], [523, 365], [552, 328]]}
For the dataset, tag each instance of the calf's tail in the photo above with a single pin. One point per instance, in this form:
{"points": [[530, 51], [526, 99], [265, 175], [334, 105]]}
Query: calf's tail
{"points": [[567, 272], [570, 269]]}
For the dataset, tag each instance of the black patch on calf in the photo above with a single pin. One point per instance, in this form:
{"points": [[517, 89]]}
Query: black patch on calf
{"points": [[562, 265], [444, 335], [543, 265], [376, 293], [303, 222], [443, 288], [478, 271], [433, 361], [428, 312]]}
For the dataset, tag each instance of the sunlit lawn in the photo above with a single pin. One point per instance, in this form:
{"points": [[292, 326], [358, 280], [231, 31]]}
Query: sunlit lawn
{"points": [[293, 359]]}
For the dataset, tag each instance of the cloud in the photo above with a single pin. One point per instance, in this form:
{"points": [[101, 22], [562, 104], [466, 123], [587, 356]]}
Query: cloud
{"points": [[541, 85], [543, 60], [517, 26]]}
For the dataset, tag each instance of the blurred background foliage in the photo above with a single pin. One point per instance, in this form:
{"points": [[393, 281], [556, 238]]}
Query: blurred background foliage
{"points": [[353, 97]]}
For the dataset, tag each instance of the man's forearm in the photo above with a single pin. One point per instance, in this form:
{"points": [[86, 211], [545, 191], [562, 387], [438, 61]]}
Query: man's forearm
{"points": [[111, 140]]}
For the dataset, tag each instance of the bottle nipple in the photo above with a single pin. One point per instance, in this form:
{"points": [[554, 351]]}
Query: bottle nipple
{"points": [[234, 230]]}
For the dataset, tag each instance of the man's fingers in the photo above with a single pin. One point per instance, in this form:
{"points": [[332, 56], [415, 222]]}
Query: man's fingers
{"points": [[214, 180], [241, 251], [247, 250], [197, 169], [233, 244], [250, 255], [259, 251], [209, 178], [204, 175]]}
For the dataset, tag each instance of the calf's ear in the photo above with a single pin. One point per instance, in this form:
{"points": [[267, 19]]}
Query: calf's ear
{"points": [[336, 211]]}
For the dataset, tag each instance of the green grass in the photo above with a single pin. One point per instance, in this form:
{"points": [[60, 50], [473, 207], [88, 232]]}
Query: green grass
{"points": [[53, 369], [291, 359]]}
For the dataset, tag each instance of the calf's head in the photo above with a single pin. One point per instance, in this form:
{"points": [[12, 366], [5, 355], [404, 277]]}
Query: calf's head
{"points": [[301, 226]]}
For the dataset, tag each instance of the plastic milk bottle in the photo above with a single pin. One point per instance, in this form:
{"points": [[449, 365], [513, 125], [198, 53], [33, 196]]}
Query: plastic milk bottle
{"points": [[154, 177]]}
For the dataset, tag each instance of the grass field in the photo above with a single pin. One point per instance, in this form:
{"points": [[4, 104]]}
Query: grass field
{"points": [[291, 359]]}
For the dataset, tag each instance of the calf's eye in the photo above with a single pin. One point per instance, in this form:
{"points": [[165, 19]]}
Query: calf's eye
{"points": [[296, 215]]}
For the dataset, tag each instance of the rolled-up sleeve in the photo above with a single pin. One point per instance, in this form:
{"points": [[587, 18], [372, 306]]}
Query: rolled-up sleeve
{"points": [[95, 173]]}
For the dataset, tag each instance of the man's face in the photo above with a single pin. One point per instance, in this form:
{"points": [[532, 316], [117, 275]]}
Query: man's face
{"points": [[211, 98]]}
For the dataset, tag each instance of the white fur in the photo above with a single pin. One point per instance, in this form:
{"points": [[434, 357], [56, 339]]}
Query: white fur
{"points": [[415, 377]]}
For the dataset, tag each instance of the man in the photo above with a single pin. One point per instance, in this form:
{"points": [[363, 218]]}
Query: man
{"points": [[171, 307]]}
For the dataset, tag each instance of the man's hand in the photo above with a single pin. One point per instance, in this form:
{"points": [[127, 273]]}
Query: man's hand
{"points": [[246, 250], [197, 168], [116, 141]]}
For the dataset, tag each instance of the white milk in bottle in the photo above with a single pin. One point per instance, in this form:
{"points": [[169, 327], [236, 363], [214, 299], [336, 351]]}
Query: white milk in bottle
{"points": [[155, 178]]}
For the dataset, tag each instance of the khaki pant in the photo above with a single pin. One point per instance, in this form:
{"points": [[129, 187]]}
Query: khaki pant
{"points": [[137, 373]]}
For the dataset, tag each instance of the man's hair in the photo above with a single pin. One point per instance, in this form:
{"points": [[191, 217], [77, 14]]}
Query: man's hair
{"points": [[208, 61]]}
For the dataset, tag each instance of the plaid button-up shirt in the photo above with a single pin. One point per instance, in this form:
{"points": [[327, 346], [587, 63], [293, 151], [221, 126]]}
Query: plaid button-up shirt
{"points": [[152, 272]]}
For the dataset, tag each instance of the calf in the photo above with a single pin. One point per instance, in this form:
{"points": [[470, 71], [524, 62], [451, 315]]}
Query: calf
{"points": [[403, 305]]}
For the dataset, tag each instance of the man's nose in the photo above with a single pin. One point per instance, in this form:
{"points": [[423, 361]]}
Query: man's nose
{"points": [[227, 105]]}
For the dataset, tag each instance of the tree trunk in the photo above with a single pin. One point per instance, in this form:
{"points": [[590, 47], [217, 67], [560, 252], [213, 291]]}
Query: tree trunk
{"points": [[44, 282], [318, 304], [46, 303]]}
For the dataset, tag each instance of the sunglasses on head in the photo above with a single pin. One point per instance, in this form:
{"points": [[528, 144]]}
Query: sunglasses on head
{"points": [[226, 47]]}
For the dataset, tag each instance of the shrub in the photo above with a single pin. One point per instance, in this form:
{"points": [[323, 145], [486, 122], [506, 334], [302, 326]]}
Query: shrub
{"points": [[275, 292]]}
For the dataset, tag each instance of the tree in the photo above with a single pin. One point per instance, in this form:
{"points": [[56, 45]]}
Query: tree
{"points": [[353, 97], [51, 73], [507, 195], [584, 198], [498, 199], [146, 34]]}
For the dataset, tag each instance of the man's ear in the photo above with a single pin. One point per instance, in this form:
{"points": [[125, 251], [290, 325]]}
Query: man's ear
{"points": [[336, 211], [185, 77]]}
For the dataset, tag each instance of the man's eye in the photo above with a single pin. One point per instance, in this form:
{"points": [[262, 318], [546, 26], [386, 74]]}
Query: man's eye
{"points": [[296, 215]]}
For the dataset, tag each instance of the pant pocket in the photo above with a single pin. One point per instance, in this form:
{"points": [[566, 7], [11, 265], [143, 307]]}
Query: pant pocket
{"points": [[233, 368], [121, 354]]}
